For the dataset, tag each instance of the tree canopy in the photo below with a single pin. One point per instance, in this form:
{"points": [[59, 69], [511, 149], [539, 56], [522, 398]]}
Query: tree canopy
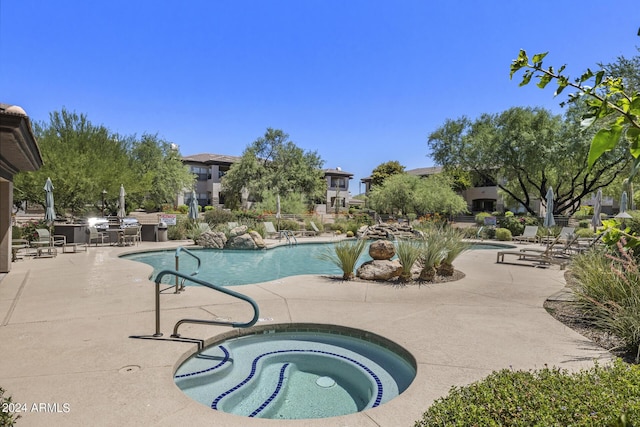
{"points": [[525, 151], [385, 170], [83, 160], [274, 164], [405, 193]]}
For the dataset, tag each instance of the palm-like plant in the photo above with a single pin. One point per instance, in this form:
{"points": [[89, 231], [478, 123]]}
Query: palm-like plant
{"points": [[454, 245], [432, 253], [345, 255], [408, 252]]}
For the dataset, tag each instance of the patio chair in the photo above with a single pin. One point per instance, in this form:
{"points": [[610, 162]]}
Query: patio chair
{"points": [[131, 235], [541, 256], [270, 229], [45, 239], [97, 236], [530, 234], [18, 245]]}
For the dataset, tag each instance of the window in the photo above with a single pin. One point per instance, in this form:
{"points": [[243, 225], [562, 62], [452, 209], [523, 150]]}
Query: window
{"points": [[338, 182], [202, 173]]}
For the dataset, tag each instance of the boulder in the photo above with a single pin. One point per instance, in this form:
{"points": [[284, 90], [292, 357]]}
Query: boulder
{"points": [[382, 249], [257, 239], [379, 270], [212, 239], [238, 231]]}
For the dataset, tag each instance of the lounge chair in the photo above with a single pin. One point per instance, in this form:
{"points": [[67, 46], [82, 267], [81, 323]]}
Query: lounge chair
{"points": [[18, 245], [314, 227], [566, 234], [530, 234], [544, 256], [270, 229]]}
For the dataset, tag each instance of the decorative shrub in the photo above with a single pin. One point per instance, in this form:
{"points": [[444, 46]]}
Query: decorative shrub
{"points": [[503, 234], [218, 216], [470, 232], [584, 223], [508, 213], [584, 232], [29, 229], [7, 417], [408, 252], [183, 209], [608, 294], [600, 396], [345, 256], [515, 225], [481, 216], [350, 233], [488, 233], [208, 208], [287, 224], [149, 206]]}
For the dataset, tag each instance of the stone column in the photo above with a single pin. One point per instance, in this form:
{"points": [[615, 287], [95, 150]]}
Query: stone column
{"points": [[6, 205]]}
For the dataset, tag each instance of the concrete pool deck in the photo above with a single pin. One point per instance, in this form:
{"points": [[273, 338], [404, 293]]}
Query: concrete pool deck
{"points": [[68, 354]]}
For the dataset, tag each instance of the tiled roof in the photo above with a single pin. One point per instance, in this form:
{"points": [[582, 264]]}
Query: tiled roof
{"points": [[208, 158], [425, 171], [337, 172]]}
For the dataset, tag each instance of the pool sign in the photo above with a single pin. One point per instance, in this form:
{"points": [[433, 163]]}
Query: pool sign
{"points": [[169, 219], [490, 220]]}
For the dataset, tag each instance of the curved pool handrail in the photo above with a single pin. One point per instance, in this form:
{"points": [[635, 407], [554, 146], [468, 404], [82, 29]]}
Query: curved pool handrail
{"points": [[180, 287], [224, 290]]}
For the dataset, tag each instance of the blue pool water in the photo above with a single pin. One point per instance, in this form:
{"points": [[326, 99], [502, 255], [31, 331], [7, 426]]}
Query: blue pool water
{"points": [[294, 375], [237, 267]]}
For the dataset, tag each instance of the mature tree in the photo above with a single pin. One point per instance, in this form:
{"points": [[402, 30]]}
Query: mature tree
{"points": [[275, 165], [384, 171], [83, 160], [405, 193], [160, 171], [608, 101], [525, 151]]}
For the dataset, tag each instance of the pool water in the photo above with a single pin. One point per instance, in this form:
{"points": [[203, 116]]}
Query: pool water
{"points": [[294, 375], [237, 267]]}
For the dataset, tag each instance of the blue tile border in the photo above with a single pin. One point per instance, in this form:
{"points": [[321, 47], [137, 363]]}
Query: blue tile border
{"points": [[216, 401], [224, 360]]}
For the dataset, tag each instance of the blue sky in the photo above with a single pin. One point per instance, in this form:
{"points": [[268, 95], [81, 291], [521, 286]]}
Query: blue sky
{"points": [[362, 82]]}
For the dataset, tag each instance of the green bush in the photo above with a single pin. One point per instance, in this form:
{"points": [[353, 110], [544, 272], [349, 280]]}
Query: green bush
{"points": [[479, 218], [149, 206], [600, 396], [488, 233], [183, 209], [607, 293], [7, 418], [345, 256], [583, 223], [288, 224], [470, 232], [408, 252], [218, 216], [208, 208], [584, 232], [513, 224], [503, 234]]}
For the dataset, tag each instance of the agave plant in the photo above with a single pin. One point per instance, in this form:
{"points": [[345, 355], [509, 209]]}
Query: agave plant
{"points": [[408, 252], [454, 245], [432, 253], [345, 255]]}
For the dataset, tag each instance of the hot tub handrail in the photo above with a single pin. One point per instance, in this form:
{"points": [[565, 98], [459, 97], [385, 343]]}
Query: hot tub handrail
{"points": [[222, 289], [180, 286]]}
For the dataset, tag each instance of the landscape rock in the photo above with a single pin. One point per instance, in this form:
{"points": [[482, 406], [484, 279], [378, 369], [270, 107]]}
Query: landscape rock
{"points": [[382, 249], [212, 239], [379, 270]]}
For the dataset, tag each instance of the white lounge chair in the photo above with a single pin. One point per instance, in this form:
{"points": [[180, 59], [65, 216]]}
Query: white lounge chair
{"points": [[540, 256], [530, 234], [270, 229]]}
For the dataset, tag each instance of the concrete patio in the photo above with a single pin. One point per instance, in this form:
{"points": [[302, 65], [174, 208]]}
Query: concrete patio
{"points": [[67, 325]]}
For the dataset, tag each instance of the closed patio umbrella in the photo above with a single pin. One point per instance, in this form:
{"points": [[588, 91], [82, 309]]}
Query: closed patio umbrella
{"points": [[623, 202], [193, 206], [121, 210], [49, 212], [549, 220], [597, 208]]}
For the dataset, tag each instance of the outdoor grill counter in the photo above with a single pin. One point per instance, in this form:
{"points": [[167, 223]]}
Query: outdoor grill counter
{"points": [[149, 232]]}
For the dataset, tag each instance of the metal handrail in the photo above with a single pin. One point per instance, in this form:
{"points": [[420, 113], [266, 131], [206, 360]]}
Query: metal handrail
{"points": [[222, 289], [180, 286], [288, 234]]}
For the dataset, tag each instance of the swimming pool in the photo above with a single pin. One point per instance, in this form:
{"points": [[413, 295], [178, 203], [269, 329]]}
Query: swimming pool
{"points": [[237, 267], [315, 371]]}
